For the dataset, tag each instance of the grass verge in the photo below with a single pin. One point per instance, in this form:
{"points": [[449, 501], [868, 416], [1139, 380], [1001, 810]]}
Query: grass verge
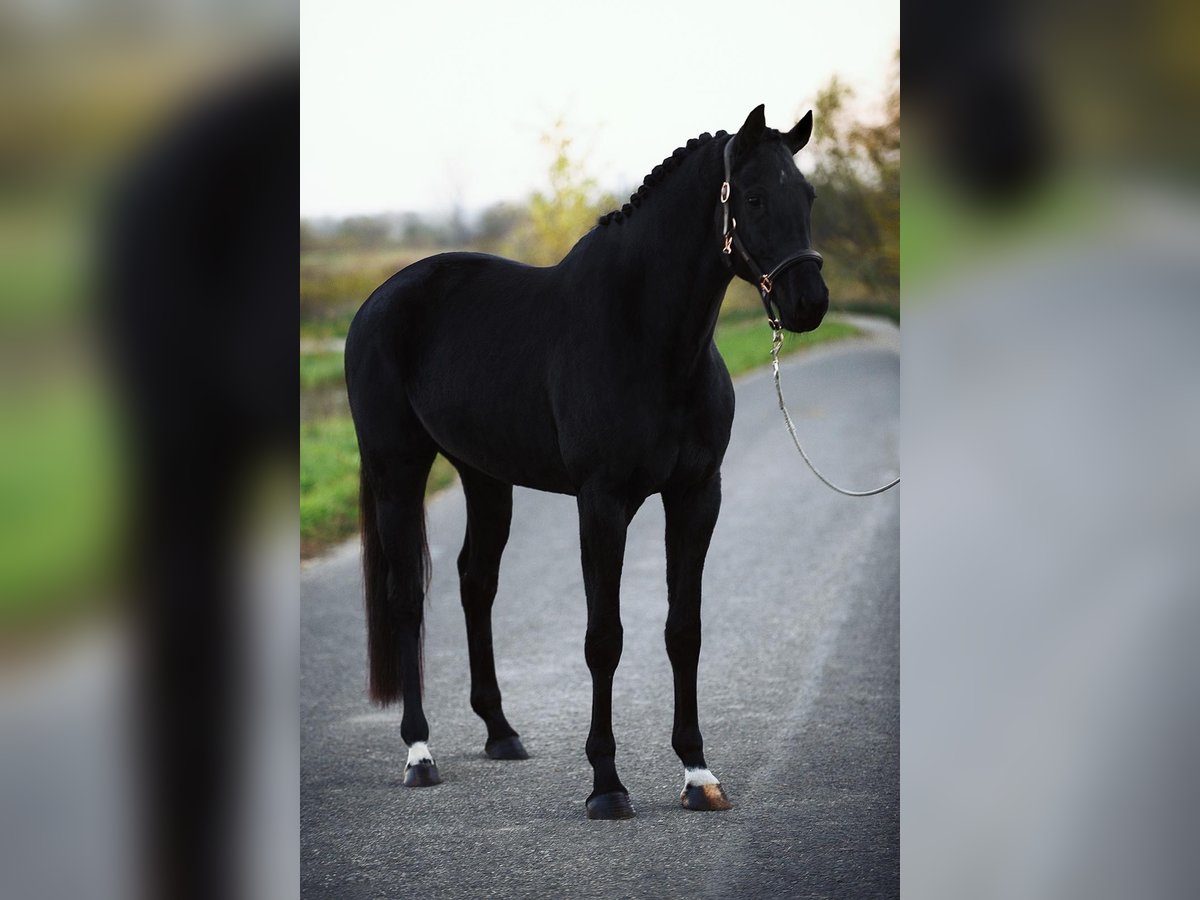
{"points": [[323, 369], [745, 340]]}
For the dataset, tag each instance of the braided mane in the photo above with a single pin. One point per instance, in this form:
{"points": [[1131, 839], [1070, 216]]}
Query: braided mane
{"points": [[665, 168], [656, 176]]}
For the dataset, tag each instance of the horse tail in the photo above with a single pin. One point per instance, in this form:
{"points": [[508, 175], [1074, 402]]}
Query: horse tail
{"points": [[394, 603]]}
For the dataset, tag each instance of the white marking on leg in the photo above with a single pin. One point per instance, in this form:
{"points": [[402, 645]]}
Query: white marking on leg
{"points": [[695, 777], [419, 753]]}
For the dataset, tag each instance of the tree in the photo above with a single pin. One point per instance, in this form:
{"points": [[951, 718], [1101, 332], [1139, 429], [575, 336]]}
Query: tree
{"points": [[559, 217], [363, 231], [857, 177], [880, 145], [498, 223]]}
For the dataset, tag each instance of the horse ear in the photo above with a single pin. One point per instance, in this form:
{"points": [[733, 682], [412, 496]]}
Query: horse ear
{"points": [[754, 126], [798, 136]]}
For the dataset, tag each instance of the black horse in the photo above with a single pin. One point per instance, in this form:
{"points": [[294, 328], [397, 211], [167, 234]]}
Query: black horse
{"points": [[597, 377]]}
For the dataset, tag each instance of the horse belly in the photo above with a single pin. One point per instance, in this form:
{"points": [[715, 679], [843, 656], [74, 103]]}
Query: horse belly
{"points": [[492, 431]]}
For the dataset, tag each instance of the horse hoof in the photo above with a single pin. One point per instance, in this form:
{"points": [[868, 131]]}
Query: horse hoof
{"points": [[704, 798], [610, 806], [506, 748], [423, 774]]}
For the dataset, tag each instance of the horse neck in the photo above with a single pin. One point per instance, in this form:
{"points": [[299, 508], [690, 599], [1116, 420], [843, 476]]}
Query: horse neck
{"points": [[669, 249]]}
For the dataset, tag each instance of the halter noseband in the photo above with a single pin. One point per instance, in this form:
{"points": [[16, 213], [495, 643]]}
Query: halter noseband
{"points": [[732, 242]]}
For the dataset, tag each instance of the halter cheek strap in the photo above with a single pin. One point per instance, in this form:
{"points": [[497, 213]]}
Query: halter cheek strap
{"points": [[766, 280]]}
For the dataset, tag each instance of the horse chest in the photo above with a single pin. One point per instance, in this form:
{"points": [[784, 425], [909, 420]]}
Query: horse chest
{"points": [[650, 440]]}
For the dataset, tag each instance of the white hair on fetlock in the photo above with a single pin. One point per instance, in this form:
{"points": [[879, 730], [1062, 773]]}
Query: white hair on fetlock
{"points": [[696, 777], [419, 753]]}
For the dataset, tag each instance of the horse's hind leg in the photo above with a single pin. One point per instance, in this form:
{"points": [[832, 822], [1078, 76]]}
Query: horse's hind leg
{"points": [[489, 512], [397, 457], [691, 515]]}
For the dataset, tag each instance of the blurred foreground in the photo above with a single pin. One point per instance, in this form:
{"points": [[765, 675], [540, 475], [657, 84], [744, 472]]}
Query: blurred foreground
{"points": [[147, 383]]}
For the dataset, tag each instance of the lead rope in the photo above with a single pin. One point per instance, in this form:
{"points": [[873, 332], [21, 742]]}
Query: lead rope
{"points": [[776, 345]]}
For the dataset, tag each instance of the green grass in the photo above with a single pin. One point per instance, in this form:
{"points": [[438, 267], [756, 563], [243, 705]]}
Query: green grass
{"points": [[884, 309], [330, 323], [329, 450], [745, 340], [61, 515], [328, 481], [44, 246], [318, 370]]}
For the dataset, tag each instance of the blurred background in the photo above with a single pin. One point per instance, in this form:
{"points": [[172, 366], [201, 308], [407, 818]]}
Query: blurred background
{"points": [[1049, 687], [530, 125]]}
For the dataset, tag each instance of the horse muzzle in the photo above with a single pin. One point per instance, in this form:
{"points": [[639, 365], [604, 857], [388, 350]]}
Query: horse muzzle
{"points": [[802, 298]]}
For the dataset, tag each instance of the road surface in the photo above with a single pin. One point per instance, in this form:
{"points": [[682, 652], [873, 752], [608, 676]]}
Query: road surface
{"points": [[799, 687]]}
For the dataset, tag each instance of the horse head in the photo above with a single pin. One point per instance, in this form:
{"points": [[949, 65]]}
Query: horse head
{"points": [[766, 219]]}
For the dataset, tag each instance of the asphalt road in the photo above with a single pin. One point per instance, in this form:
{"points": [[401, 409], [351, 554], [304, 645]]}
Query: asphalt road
{"points": [[799, 687]]}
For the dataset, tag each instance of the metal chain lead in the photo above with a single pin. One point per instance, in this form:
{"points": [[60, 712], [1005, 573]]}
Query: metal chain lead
{"points": [[776, 345]]}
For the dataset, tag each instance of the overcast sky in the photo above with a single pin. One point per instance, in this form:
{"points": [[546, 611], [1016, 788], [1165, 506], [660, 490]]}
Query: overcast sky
{"points": [[418, 106]]}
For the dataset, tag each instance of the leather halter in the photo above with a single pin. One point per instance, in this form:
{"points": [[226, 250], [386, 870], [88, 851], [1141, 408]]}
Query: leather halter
{"points": [[733, 242]]}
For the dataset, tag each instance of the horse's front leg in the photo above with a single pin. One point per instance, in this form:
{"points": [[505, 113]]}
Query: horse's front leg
{"points": [[691, 515], [602, 526]]}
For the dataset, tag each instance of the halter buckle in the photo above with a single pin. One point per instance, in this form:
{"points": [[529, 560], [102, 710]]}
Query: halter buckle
{"points": [[765, 284], [724, 191], [728, 248]]}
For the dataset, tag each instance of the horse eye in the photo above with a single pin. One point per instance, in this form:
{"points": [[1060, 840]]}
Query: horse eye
{"points": [[754, 201]]}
